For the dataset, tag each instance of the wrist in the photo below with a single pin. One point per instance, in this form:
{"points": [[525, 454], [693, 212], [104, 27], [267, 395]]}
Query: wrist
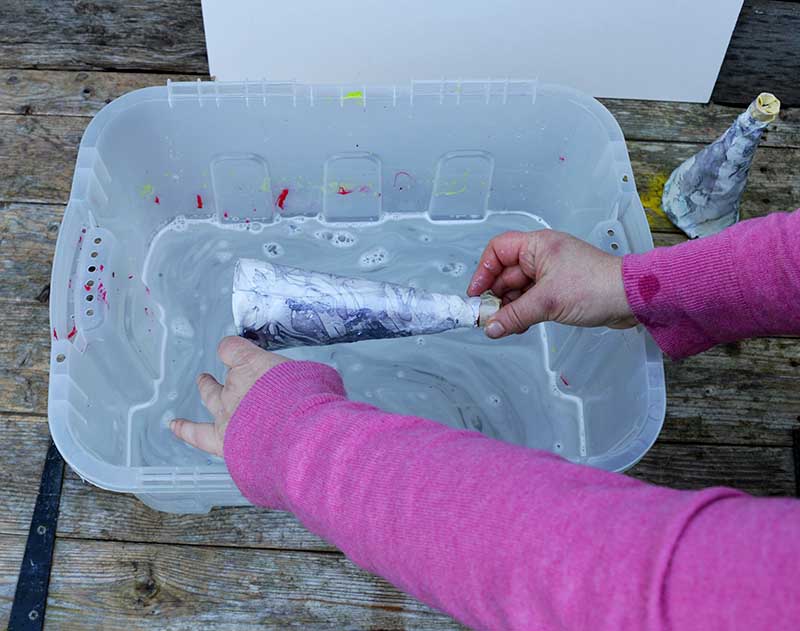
{"points": [[261, 428], [621, 314]]}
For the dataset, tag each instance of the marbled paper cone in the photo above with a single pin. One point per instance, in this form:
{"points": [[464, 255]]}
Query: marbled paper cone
{"points": [[280, 307], [703, 194]]}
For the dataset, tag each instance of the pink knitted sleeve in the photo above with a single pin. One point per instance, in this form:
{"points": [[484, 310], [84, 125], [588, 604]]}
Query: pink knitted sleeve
{"points": [[503, 537], [740, 283]]}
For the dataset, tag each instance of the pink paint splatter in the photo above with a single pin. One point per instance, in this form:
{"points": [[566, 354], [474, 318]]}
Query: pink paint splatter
{"points": [[69, 284], [147, 290], [102, 293], [156, 200], [364, 189], [397, 175], [102, 267], [564, 381], [55, 335], [225, 214], [199, 201], [73, 332], [80, 239], [247, 221], [343, 191], [562, 158], [87, 287], [282, 198]]}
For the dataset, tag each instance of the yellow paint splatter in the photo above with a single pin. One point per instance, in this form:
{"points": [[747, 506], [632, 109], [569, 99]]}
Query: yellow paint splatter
{"points": [[353, 95], [146, 190], [458, 192], [652, 191], [264, 188]]}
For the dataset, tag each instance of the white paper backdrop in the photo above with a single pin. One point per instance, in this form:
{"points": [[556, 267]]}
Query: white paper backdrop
{"points": [[647, 49]]}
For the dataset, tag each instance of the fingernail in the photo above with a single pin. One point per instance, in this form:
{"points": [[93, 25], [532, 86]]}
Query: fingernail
{"points": [[495, 329]]}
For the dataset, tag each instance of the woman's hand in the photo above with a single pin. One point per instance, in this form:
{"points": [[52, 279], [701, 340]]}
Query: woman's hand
{"points": [[246, 363], [547, 275]]}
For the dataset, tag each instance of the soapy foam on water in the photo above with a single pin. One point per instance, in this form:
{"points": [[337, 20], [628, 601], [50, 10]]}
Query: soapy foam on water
{"points": [[453, 268], [343, 239], [374, 258]]}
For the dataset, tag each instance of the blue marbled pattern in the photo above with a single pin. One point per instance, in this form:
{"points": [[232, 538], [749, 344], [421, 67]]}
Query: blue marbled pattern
{"points": [[281, 307]]}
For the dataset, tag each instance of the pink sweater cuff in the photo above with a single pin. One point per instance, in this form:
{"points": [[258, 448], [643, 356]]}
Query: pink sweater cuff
{"points": [[668, 290], [256, 433], [740, 283]]}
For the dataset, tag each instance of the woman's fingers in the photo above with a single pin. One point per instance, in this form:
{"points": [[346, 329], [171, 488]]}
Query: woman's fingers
{"points": [[501, 252], [511, 278], [519, 315], [512, 295], [235, 351], [210, 393], [201, 435]]}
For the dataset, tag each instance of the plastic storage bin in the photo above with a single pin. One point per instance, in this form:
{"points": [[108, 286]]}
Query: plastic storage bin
{"points": [[174, 183]]}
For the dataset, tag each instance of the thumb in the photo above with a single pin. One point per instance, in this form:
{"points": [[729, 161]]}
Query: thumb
{"points": [[519, 315], [201, 435]]}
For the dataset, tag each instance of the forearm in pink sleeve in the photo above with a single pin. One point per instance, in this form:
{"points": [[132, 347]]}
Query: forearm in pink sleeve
{"points": [[743, 282], [504, 537]]}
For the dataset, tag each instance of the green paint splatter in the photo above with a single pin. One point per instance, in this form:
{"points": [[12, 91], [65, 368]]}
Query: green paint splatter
{"points": [[449, 193], [265, 185], [354, 95], [146, 190]]}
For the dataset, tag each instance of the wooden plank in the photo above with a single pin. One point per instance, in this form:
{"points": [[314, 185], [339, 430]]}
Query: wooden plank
{"points": [[10, 557], [37, 156], [152, 35], [71, 93], [136, 586], [25, 338], [756, 470], [88, 512], [23, 391], [25, 442], [763, 54], [84, 93], [662, 121], [774, 183], [28, 234], [746, 393]]}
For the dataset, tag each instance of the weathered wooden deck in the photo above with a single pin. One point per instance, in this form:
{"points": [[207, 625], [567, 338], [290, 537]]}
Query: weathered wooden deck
{"points": [[733, 414]]}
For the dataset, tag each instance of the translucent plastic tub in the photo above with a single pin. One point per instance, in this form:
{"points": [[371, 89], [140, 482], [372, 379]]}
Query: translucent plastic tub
{"points": [[174, 183]]}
